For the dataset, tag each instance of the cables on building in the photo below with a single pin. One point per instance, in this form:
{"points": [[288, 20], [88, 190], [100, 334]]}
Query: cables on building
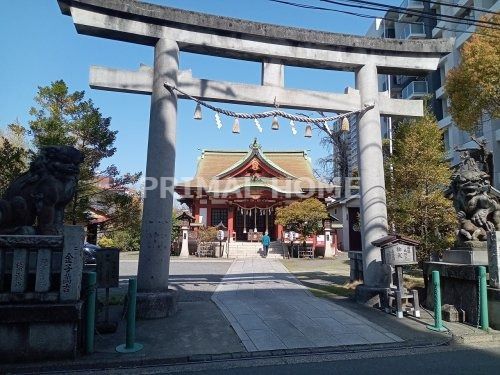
{"points": [[364, 4], [427, 15]]}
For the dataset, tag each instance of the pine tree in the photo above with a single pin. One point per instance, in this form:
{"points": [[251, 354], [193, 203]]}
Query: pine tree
{"points": [[14, 154], [64, 118]]}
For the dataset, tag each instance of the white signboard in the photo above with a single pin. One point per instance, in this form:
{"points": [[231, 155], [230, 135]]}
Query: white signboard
{"points": [[220, 235], [399, 254]]}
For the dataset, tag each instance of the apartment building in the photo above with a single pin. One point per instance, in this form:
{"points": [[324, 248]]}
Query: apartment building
{"points": [[400, 25]]}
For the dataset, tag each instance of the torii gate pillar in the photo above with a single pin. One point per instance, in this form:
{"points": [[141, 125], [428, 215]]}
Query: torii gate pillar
{"points": [[372, 184], [154, 299]]}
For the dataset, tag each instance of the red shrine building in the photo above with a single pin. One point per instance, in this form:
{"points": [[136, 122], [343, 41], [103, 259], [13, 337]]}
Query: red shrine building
{"points": [[242, 189]]}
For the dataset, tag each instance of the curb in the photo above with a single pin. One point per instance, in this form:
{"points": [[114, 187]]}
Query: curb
{"points": [[88, 363]]}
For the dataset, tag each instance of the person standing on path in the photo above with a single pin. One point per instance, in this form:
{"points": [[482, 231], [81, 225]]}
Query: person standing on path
{"points": [[266, 240]]}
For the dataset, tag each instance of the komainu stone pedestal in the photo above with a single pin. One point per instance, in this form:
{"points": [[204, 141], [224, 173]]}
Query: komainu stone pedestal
{"points": [[40, 290], [459, 287], [39, 331], [465, 256], [469, 252]]}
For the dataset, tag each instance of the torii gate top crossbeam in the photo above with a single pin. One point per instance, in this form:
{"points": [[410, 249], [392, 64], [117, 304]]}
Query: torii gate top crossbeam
{"points": [[143, 23]]}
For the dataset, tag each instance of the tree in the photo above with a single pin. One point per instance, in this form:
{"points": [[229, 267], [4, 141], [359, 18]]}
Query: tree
{"points": [[415, 193], [473, 87], [176, 224], [123, 227], [336, 163], [14, 154], [303, 217], [63, 118]]}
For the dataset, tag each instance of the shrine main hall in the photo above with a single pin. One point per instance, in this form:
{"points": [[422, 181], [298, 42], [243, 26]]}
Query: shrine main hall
{"points": [[242, 189]]}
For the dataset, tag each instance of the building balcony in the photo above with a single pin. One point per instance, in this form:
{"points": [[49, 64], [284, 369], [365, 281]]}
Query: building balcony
{"points": [[411, 5], [437, 31], [464, 36], [439, 92], [448, 154], [403, 80], [463, 3], [445, 121], [415, 90], [413, 31]]}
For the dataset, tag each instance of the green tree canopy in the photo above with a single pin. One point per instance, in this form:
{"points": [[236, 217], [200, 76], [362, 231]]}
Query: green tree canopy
{"points": [[415, 192], [473, 87], [64, 118], [14, 154], [304, 217], [123, 228]]}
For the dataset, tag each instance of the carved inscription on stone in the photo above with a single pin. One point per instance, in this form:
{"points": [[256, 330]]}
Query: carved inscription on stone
{"points": [[43, 263], [72, 263], [19, 271], [494, 258]]}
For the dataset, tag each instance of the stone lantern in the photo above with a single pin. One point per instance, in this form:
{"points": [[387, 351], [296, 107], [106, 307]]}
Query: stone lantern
{"points": [[327, 226], [221, 234], [186, 219]]}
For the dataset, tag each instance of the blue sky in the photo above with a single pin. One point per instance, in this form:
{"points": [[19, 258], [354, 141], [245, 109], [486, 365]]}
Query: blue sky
{"points": [[40, 45]]}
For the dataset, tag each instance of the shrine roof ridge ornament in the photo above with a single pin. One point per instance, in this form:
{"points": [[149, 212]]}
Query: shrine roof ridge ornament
{"points": [[144, 23], [255, 152]]}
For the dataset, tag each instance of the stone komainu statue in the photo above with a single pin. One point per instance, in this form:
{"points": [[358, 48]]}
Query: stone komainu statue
{"points": [[475, 201], [34, 202]]}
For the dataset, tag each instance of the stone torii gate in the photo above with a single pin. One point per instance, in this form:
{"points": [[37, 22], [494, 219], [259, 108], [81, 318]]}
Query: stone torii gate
{"points": [[171, 30]]}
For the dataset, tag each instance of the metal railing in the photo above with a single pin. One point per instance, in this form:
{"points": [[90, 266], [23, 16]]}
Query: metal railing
{"points": [[415, 89], [413, 30]]}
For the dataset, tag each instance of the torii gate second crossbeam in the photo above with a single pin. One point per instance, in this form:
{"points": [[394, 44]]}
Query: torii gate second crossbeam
{"points": [[171, 30]]}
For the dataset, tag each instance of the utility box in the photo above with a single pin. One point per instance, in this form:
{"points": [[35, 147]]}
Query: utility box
{"points": [[108, 267]]}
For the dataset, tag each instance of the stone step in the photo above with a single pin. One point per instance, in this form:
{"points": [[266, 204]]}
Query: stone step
{"points": [[246, 250]]}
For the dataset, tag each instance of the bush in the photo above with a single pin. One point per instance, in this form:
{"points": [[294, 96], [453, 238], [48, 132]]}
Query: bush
{"points": [[106, 242], [207, 234], [127, 241]]}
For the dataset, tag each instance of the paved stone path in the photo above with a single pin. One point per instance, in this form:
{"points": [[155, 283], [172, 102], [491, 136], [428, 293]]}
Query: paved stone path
{"points": [[270, 309]]}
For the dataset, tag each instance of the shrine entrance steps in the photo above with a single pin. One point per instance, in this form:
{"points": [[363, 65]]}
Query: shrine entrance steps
{"points": [[245, 250]]}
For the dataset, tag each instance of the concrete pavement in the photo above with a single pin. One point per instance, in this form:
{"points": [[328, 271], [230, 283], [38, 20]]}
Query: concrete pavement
{"points": [[201, 334], [270, 309]]}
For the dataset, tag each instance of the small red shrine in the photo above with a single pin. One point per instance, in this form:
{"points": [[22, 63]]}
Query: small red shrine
{"points": [[243, 189]]}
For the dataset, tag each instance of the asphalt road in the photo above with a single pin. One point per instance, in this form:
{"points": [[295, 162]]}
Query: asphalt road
{"points": [[468, 362], [433, 360]]}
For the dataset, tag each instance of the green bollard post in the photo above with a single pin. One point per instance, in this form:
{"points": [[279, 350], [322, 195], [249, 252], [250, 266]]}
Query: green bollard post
{"points": [[483, 299], [438, 320], [130, 345], [91, 279]]}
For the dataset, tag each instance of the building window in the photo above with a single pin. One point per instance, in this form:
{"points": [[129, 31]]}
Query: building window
{"points": [[219, 215]]}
